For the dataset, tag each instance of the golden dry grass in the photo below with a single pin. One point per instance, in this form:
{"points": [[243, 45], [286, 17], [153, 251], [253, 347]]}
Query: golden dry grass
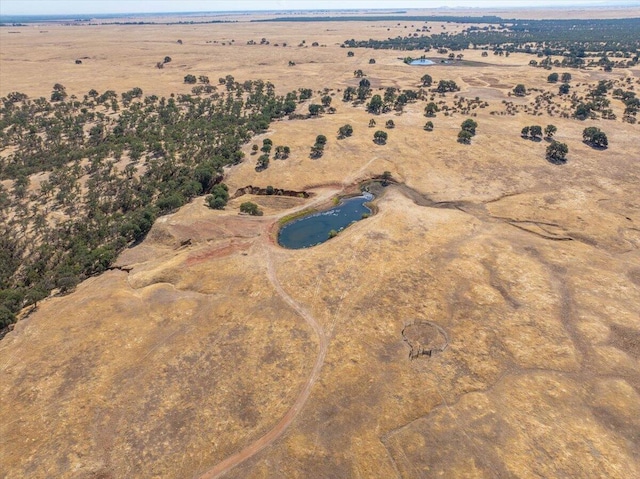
{"points": [[193, 355]]}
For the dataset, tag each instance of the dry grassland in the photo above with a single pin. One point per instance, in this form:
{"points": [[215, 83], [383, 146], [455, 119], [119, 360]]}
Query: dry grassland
{"points": [[191, 352]]}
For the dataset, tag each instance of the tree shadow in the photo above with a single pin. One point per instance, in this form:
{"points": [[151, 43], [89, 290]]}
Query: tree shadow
{"points": [[595, 146], [556, 161]]}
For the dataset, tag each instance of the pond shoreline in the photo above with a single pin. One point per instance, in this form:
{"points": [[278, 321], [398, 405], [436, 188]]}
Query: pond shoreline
{"points": [[339, 211]]}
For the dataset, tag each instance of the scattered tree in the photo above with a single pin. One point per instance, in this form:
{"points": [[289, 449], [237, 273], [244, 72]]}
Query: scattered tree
{"points": [[536, 132], [428, 126], [315, 109], [583, 111], [390, 124], [464, 137], [218, 197], [345, 131], [520, 90], [426, 80], [431, 109], [282, 152], [553, 78], [557, 152], [263, 162], [445, 86], [595, 137], [267, 143], [470, 126], [550, 131], [250, 208], [190, 79], [564, 89], [380, 137], [348, 94], [375, 105]]}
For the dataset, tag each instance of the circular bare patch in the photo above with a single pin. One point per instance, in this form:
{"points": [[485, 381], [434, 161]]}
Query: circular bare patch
{"points": [[424, 338]]}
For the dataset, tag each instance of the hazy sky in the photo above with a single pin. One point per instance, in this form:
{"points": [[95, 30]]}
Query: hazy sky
{"points": [[47, 7]]}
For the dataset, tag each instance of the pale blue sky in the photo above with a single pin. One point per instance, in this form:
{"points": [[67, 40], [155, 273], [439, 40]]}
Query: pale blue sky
{"points": [[48, 7]]}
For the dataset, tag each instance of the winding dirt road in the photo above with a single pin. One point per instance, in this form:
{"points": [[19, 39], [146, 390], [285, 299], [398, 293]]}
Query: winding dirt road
{"points": [[232, 461]]}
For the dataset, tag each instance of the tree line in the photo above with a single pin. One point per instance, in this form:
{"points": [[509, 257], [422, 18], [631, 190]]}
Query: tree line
{"points": [[108, 165]]}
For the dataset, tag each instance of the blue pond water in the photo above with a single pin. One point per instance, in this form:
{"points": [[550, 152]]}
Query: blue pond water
{"points": [[422, 61], [314, 229]]}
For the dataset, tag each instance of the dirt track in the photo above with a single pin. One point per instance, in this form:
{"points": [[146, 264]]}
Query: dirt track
{"points": [[223, 467]]}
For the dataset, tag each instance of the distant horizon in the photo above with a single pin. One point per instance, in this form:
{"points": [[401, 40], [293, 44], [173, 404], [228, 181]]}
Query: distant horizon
{"points": [[65, 8]]}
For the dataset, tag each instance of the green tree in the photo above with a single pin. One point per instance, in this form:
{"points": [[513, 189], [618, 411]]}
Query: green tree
{"points": [[470, 126], [564, 89], [190, 79], [553, 78], [321, 140], [431, 109], [345, 131], [7, 317], [215, 202], [348, 94], [550, 131], [535, 131], [525, 132], [428, 126], [426, 80], [445, 86], [267, 143], [250, 208], [464, 137], [263, 162], [390, 124], [315, 110], [520, 90], [595, 137], [566, 77], [557, 152], [375, 105], [380, 137], [583, 111], [326, 101]]}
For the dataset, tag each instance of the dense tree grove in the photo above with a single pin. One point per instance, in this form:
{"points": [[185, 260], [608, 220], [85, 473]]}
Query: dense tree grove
{"points": [[603, 42], [105, 170]]}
